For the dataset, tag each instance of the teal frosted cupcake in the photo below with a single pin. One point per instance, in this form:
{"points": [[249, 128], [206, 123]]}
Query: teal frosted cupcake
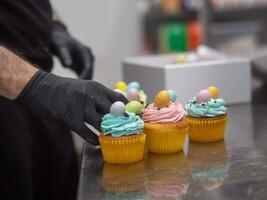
{"points": [[206, 114], [122, 139]]}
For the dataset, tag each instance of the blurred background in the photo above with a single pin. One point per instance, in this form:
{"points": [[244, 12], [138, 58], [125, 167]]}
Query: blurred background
{"points": [[116, 29]]}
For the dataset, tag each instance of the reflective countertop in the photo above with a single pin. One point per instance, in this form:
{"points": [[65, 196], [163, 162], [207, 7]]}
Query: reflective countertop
{"points": [[235, 168]]}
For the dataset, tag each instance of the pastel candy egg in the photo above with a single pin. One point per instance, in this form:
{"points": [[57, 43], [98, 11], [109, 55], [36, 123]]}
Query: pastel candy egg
{"points": [[117, 108], [203, 96], [181, 58], [172, 95], [121, 86], [162, 99], [134, 85], [214, 92], [132, 95], [135, 107]]}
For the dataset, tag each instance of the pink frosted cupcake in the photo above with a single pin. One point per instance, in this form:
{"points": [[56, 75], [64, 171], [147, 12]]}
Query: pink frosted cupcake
{"points": [[165, 124]]}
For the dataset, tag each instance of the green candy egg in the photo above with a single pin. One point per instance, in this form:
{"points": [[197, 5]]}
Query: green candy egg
{"points": [[134, 107]]}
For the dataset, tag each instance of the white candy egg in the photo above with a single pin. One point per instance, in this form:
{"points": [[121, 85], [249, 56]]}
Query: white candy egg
{"points": [[117, 108]]}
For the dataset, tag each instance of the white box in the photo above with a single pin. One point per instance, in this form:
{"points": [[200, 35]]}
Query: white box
{"points": [[231, 75]]}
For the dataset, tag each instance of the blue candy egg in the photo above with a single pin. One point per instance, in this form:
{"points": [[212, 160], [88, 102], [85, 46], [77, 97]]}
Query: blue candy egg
{"points": [[134, 85], [172, 95], [117, 108]]}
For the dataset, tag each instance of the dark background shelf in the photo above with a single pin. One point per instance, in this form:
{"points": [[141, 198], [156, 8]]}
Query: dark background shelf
{"points": [[239, 14], [207, 16]]}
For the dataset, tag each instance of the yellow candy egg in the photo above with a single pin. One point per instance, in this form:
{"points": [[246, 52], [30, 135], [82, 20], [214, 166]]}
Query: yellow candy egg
{"points": [[162, 99], [214, 92], [181, 58], [121, 86]]}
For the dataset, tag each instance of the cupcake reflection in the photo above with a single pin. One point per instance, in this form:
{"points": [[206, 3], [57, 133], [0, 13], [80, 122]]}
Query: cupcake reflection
{"points": [[137, 195], [168, 176], [209, 164], [124, 181]]}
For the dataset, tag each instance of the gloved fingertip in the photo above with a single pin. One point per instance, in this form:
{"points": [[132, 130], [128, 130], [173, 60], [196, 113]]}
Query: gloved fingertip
{"points": [[115, 96], [65, 57], [124, 99], [121, 97], [88, 135], [66, 61], [87, 73]]}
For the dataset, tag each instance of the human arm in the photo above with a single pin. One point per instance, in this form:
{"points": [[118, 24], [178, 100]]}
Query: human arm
{"points": [[15, 73], [69, 101]]}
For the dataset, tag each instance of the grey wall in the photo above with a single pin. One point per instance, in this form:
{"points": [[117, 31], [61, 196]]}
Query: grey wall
{"points": [[111, 28]]}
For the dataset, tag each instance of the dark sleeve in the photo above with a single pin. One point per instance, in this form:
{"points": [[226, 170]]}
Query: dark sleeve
{"points": [[26, 27]]}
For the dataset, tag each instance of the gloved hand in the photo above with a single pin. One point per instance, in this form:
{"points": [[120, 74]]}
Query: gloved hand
{"points": [[70, 101], [71, 53]]}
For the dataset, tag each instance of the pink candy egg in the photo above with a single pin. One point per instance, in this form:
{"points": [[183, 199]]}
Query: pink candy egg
{"points": [[203, 96], [132, 94]]}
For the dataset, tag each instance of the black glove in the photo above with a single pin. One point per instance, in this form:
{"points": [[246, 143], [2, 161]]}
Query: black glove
{"points": [[71, 53], [70, 101]]}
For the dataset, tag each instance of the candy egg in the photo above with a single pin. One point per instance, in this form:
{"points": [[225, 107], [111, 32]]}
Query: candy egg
{"points": [[132, 95], [181, 58], [117, 108], [134, 85], [134, 107], [214, 92], [162, 99], [172, 95], [203, 96], [121, 86]]}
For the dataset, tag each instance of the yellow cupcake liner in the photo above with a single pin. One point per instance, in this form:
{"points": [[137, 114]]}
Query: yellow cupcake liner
{"points": [[123, 178], [165, 138], [206, 129], [123, 188], [122, 150], [163, 161]]}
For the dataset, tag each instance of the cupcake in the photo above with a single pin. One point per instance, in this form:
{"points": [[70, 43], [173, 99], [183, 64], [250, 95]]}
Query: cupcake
{"points": [[128, 178], [165, 124], [122, 139], [168, 177], [137, 195], [206, 115], [209, 164]]}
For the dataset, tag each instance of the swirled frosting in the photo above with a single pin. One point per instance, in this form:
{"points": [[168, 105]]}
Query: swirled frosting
{"points": [[171, 114], [127, 124], [212, 108], [167, 189]]}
